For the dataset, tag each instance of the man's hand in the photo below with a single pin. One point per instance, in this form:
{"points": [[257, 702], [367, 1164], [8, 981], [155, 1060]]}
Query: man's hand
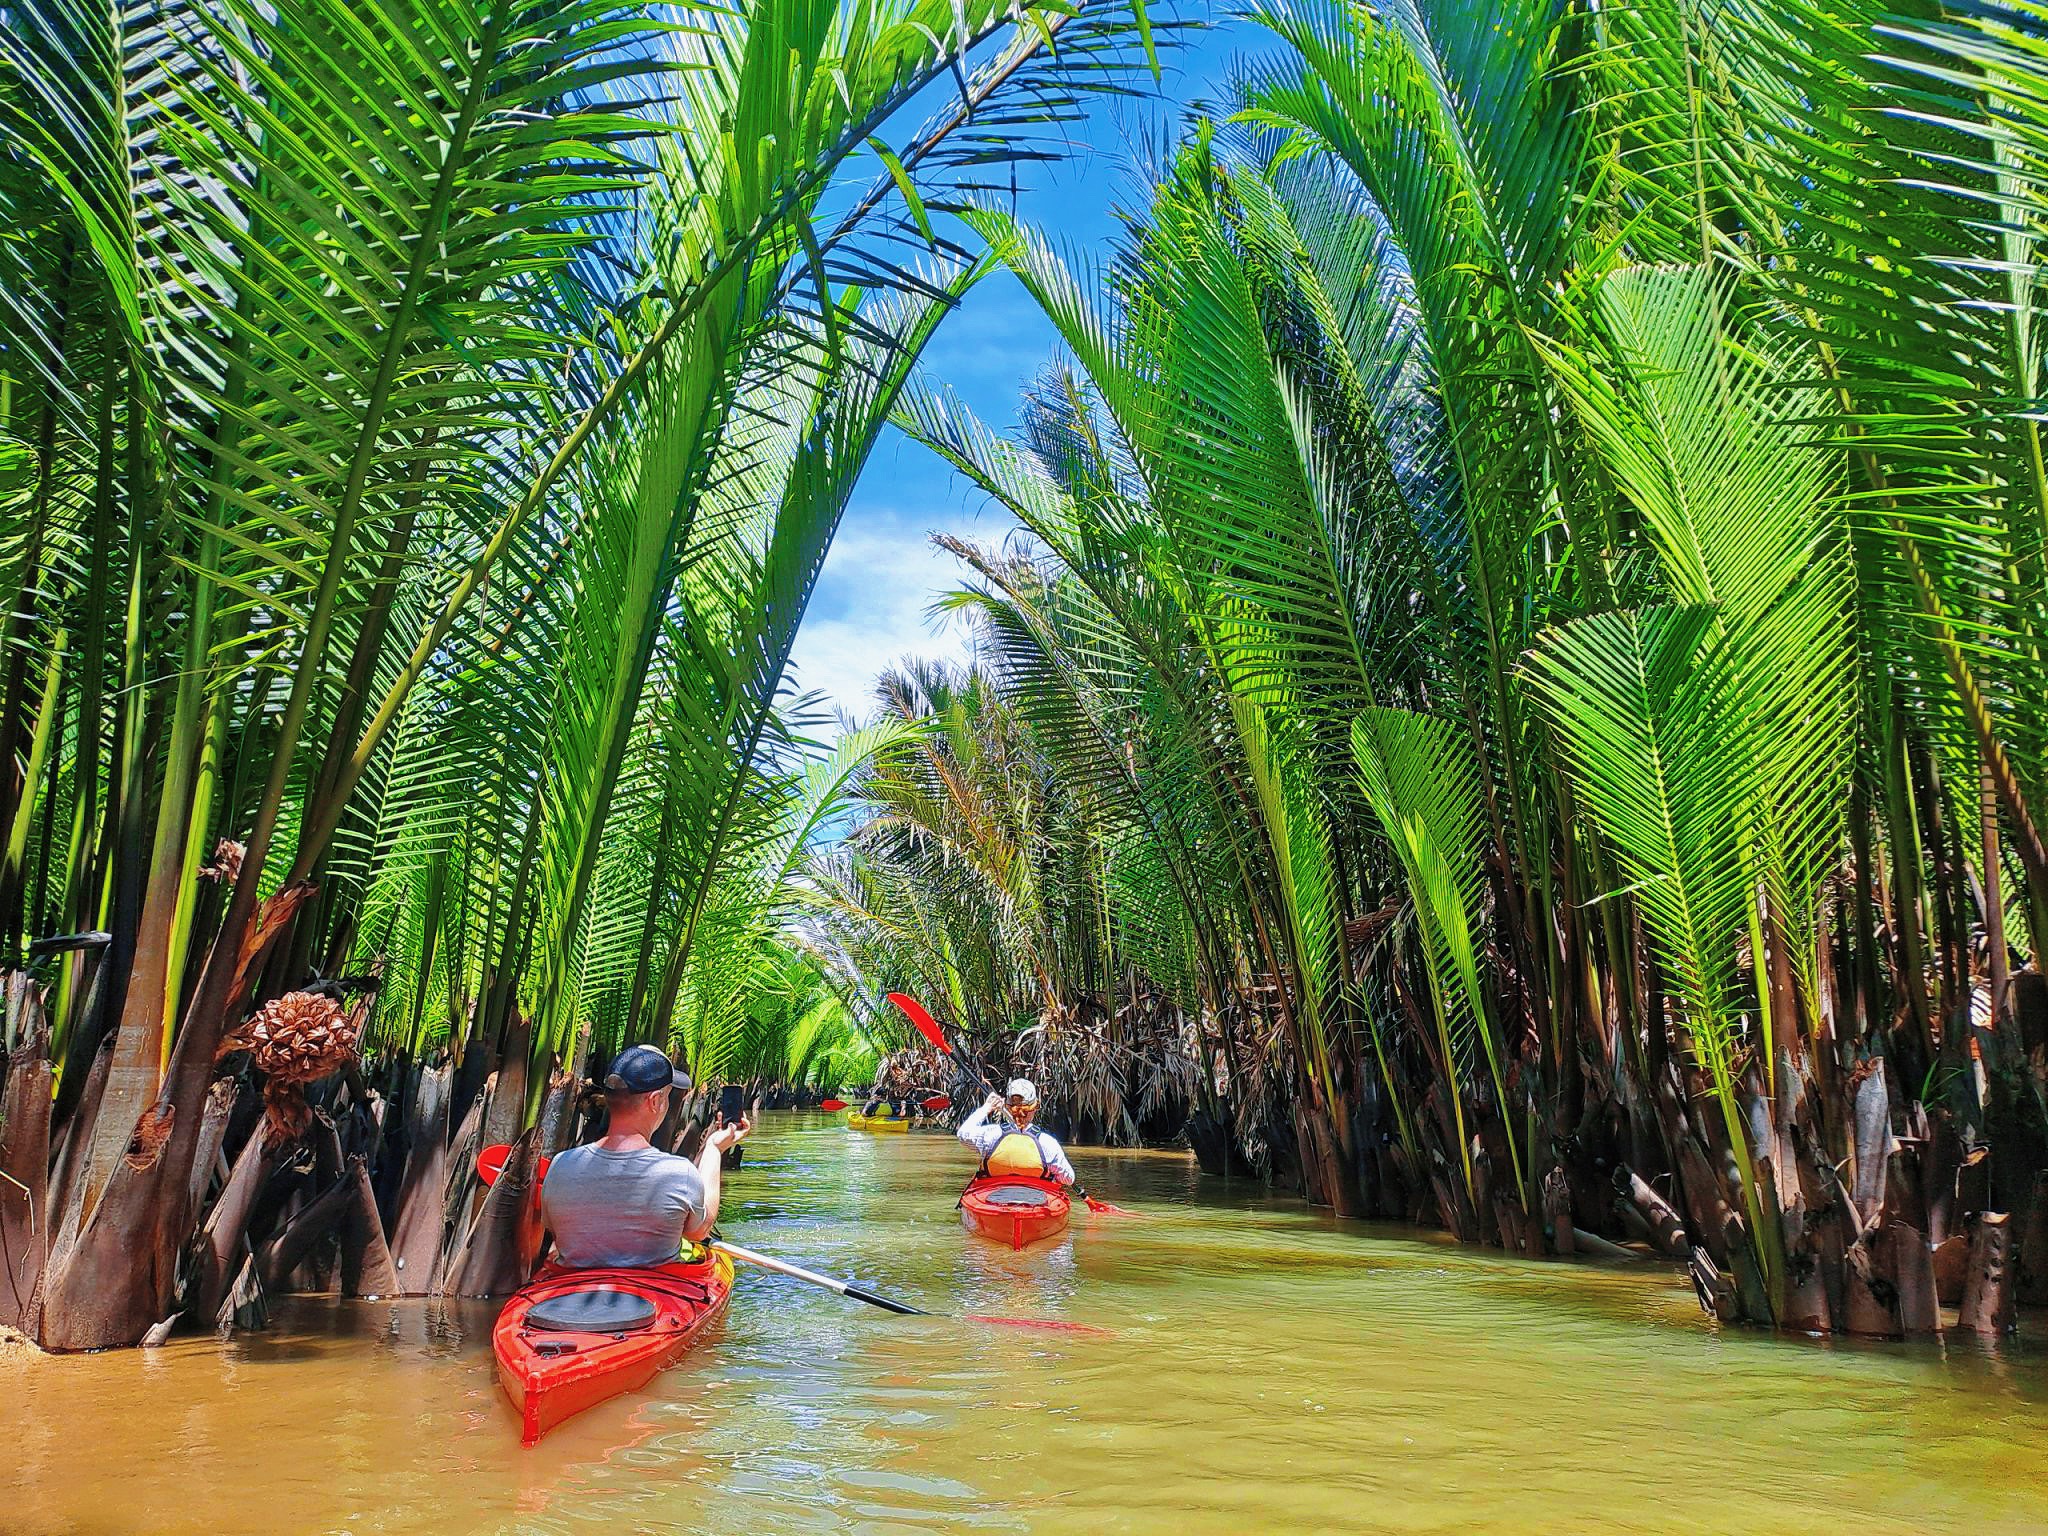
{"points": [[723, 1136], [992, 1103]]}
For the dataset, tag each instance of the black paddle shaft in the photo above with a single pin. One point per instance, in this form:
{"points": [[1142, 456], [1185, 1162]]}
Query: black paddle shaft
{"points": [[861, 1293], [812, 1277]]}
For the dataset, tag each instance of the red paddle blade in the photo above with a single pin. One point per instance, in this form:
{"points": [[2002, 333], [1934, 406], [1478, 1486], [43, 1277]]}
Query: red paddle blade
{"points": [[1044, 1323], [1104, 1208], [938, 1101], [926, 1024], [831, 1106], [490, 1162]]}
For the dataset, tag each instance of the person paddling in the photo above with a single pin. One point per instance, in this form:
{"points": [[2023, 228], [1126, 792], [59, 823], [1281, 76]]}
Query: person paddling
{"points": [[1013, 1145], [620, 1203]]}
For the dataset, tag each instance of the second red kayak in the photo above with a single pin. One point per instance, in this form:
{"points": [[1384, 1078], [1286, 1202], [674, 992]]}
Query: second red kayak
{"points": [[575, 1337], [1014, 1210]]}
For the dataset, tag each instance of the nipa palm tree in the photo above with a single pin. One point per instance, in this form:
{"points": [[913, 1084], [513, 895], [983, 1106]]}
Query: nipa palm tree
{"points": [[1538, 528], [423, 429]]}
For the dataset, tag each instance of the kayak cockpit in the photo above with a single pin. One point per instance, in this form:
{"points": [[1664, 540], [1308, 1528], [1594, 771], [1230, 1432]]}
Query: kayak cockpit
{"points": [[1018, 1194]]}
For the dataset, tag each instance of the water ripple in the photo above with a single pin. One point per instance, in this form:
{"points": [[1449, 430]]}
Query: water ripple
{"points": [[1265, 1368]]}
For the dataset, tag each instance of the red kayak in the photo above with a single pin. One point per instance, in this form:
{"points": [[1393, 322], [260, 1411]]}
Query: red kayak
{"points": [[575, 1337], [1014, 1209]]}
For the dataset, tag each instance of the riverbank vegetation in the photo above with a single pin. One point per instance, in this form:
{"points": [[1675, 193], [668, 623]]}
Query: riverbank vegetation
{"points": [[1520, 707], [423, 427], [1529, 646], [973, 879]]}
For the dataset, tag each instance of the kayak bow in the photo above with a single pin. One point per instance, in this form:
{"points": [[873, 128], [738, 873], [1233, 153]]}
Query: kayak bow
{"points": [[575, 1337], [882, 1123], [1014, 1209]]}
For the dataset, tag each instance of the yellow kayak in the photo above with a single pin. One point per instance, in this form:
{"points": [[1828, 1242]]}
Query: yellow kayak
{"points": [[875, 1123]]}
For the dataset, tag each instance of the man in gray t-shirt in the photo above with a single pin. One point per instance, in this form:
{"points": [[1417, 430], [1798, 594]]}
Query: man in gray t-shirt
{"points": [[620, 1203]]}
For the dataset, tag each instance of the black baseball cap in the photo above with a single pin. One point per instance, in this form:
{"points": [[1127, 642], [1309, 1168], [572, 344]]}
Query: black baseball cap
{"points": [[643, 1069]]}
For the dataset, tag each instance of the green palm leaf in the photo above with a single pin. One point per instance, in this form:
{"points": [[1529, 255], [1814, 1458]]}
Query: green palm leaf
{"points": [[1420, 781]]}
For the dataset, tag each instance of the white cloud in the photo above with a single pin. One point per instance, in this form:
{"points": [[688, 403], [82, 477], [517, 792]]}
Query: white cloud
{"points": [[874, 596], [882, 575]]}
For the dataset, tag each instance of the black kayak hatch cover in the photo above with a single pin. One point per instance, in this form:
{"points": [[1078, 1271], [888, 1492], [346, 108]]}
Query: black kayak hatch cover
{"points": [[592, 1312], [1016, 1194]]}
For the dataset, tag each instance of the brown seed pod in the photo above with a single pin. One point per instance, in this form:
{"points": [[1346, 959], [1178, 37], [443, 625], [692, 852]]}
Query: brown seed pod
{"points": [[294, 1040]]}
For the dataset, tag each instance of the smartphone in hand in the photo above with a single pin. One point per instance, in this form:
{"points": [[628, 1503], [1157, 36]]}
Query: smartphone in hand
{"points": [[732, 1109]]}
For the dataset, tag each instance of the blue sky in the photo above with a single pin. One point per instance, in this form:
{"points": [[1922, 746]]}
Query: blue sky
{"points": [[882, 574]]}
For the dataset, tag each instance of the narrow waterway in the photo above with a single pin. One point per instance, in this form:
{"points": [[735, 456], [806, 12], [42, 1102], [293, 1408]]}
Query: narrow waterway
{"points": [[1264, 1369]]}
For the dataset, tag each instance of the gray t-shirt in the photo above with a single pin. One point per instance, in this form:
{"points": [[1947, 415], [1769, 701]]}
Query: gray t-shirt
{"points": [[620, 1209]]}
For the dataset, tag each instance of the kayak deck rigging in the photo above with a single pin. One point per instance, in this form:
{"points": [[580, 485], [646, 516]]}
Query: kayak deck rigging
{"points": [[585, 1346]]}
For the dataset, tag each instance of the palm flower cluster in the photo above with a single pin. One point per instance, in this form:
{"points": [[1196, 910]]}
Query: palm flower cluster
{"points": [[294, 1040]]}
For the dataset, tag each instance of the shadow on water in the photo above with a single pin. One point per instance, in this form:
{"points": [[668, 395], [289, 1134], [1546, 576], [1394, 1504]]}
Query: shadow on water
{"points": [[1265, 1368]]}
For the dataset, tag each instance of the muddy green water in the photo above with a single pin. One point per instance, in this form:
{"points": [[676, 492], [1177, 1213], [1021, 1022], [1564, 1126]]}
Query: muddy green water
{"points": [[1266, 1369]]}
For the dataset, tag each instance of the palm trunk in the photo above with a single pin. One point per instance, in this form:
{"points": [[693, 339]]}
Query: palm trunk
{"points": [[416, 1228], [24, 1161], [87, 834], [1994, 895]]}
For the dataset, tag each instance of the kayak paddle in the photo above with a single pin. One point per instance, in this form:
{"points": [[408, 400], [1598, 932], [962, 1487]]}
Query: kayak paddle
{"points": [[490, 1162], [920, 1017], [832, 1106], [887, 1304], [812, 1277], [926, 1025]]}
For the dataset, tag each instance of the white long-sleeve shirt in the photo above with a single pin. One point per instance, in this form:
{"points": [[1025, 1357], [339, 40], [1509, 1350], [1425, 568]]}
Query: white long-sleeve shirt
{"points": [[982, 1130]]}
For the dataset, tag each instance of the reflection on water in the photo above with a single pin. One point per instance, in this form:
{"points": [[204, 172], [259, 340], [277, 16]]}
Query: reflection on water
{"points": [[1267, 1369]]}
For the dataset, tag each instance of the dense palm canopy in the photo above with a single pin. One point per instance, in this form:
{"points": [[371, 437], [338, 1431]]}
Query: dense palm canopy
{"points": [[1535, 597], [971, 881], [421, 429], [1524, 680]]}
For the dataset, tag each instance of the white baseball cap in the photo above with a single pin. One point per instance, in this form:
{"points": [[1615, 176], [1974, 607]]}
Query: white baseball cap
{"points": [[1022, 1088]]}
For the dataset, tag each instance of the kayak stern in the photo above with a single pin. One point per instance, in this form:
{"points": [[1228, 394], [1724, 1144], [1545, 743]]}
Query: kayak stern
{"points": [[550, 1376]]}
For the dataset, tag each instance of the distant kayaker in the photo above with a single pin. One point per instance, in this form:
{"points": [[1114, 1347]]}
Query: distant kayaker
{"points": [[621, 1203], [1012, 1144], [885, 1096], [879, 1107]]}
